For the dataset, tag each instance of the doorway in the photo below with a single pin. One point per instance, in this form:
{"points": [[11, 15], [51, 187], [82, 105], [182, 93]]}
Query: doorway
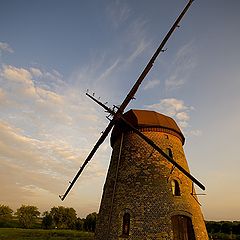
{"points": [[182, 228]]}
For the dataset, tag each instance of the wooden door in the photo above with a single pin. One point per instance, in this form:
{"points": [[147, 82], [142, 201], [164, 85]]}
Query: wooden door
{"points": [[182, 228]]}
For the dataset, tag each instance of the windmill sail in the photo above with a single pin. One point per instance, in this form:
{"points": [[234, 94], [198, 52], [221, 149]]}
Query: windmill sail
{"points": [[128, 98]]}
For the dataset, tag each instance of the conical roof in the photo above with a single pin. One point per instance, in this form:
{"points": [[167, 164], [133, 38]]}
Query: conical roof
{"points": [[146, 119]]}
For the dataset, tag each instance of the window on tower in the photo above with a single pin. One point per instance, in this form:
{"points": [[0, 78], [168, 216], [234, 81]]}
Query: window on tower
{"points": [[165, 136], [169, 152], [175, 188], [126, 224]]}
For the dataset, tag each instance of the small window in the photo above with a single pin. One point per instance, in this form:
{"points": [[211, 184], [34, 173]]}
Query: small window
{"points": [[126, 224], [165, 136], [169, 152], [175, 188]]}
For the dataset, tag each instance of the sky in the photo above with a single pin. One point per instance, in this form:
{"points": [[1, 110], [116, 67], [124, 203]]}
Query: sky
{"points": [[51, 52]]}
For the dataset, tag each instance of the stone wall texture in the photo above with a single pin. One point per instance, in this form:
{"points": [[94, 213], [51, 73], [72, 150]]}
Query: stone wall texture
{"points": [[139, 183]]}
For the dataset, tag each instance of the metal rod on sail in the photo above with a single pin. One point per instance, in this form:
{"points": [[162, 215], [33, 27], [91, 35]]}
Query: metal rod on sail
{"points": [[128, 98]]}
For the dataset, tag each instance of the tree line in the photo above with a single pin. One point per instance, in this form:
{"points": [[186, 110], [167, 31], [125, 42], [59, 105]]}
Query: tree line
{"points": [[223, 229], [57, 218]]}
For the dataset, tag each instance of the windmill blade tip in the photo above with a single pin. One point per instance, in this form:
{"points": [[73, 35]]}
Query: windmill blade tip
{"points": [[61, 197]]}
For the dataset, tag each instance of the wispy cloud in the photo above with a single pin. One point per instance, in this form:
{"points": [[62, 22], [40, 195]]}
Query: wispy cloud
{"points": [[46, 131], [2, 95], [195, 132], [5, 47], [36, 72], [174, 108], [182, 66], [108, 71], [12, 73], [17, 81], [151, 84], [139, 48], [98, 76], [118, 12], [47, 126], [178, 110], [136, 37]]}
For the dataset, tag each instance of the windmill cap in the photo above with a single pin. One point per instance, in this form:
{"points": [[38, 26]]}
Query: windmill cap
{"points": [[148, 121]]}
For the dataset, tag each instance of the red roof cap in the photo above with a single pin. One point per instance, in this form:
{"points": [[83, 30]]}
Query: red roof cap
{"points": [[146, 118]]}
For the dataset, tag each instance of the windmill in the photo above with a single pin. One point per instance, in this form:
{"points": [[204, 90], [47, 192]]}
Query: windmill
{"points": [[119, 223]]}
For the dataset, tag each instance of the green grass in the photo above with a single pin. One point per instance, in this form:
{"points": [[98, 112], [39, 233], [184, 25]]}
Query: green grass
{"points": [[41, 234]]}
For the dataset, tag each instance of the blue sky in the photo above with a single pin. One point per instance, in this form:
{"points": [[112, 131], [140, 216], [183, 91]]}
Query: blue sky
{"points": [[52, 51]]}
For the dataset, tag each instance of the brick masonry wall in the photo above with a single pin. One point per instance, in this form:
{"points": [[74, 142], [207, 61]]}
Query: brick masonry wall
{"points": [[139, 182]]}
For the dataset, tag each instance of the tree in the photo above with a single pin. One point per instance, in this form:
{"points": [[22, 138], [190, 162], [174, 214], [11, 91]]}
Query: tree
{"points": [[90, 222], [5, 215], [63, 217], [236, 228], [213, 227], [27, 215], [226, 227], [79, 224], [47, 221]]}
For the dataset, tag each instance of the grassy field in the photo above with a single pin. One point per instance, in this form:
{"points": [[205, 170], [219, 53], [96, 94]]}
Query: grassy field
{"points": [[40, 234]]}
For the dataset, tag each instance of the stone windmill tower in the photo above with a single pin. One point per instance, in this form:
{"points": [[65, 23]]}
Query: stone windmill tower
{"points": [[149, 191], [145, 196]]}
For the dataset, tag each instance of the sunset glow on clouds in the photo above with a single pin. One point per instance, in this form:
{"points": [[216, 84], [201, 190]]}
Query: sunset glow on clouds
{"points": [[37, 131], [48, 125]]}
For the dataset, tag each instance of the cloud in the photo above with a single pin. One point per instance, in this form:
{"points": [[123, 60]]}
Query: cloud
{"points": [[48, 127], [118, 12], [36, 72], [182, 116], [139, 48], [108, 71], [136, 38], [182, 66], [174, 108], [2, 95], [21, 88], [17, 81], [195, 132], [5, 47], [49, 97], [151, 84], [24, 94], [47, 134], [20, 75], [45, 165]]}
